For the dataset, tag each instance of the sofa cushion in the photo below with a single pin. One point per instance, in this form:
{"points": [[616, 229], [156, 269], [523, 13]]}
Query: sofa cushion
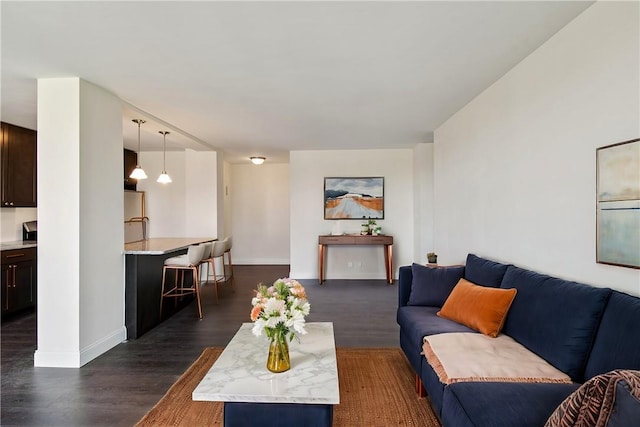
{"points": [[501, 404], [557, 319], [483, 271], [418, 322], [431, 285], [626, 408], [613, 348], [481, 308]]}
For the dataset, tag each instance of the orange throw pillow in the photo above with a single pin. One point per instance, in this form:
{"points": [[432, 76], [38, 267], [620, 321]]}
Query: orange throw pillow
{"points": [[481, 308]]}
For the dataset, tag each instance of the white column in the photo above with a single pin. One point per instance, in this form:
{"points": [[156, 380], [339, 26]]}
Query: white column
{"points": [[80, 231]]}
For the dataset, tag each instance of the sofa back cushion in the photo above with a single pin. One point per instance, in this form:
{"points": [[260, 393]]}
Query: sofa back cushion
{"points": [[555, 318], [483, 271], [617, 343], [432, 285]]}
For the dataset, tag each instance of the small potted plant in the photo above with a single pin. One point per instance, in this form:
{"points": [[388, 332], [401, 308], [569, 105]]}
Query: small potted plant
{"points": [[372, 224], [365, 229], [432, 258]]}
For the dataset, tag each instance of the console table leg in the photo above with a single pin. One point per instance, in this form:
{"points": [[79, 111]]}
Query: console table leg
{"points": [[320, 264], [388, 260]]}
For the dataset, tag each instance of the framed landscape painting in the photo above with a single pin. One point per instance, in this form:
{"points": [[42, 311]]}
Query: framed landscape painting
{"points": [[618, 204], [354, 198]]}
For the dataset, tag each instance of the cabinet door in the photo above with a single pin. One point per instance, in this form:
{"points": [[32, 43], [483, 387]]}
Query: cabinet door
{"points": [[7, 277], [24, 281], [19, 281], [19, 168]]}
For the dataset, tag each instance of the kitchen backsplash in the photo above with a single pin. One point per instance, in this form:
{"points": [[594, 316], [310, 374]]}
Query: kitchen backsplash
{"points": [[11, 220]]}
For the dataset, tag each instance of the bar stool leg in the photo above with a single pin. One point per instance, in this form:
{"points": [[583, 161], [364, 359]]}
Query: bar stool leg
{"points": [[164, 271], [196, 284], [215, 278], [233, 287]]}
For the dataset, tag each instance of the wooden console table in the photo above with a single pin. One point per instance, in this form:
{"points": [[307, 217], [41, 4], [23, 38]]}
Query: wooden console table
{"points": [[356, 239]]}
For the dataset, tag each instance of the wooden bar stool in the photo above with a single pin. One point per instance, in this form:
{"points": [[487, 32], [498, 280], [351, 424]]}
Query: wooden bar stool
{"points": [[181, 264]]}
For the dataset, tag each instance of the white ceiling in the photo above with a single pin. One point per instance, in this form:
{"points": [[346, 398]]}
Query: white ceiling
{"points": [[264, 78]]}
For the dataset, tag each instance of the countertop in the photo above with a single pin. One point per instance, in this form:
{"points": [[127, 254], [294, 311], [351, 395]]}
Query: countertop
{"points": [[18, 244], [163, 245]]}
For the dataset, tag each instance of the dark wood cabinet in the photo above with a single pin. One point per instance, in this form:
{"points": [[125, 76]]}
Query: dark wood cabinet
{"points": [[19, 282], [19, 166], [130, 162]]}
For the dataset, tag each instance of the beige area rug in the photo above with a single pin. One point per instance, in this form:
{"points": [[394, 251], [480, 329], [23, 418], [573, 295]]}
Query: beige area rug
{"points": [[377, 388]]}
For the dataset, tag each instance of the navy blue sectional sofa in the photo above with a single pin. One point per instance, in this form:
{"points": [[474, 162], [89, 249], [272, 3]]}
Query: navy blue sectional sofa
{"points": [[582, 330]]}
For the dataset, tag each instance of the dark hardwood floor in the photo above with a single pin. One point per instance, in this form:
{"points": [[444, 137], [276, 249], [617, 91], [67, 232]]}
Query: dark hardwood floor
{"points": [[120, 386]]}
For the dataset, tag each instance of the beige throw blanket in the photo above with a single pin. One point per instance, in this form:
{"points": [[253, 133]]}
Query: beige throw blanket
{"points": [[467, 356]]}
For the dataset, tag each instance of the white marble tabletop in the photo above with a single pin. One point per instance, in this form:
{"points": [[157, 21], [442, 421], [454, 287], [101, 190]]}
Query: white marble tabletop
{"points": [[163, 245], [240, 374]]}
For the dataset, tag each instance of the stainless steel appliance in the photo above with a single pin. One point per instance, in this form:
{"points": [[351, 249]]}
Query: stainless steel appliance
{"points": [[30, 230]]}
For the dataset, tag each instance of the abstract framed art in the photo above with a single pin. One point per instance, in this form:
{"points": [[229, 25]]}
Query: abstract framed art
{"points": [[354, 198], [618, 204]]}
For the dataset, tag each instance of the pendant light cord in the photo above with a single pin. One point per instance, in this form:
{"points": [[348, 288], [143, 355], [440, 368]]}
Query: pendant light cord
{"points": [[164, 150]]}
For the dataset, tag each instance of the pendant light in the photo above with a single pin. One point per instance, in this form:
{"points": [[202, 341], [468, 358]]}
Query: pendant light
{"points": [[138, 172], [164, 178]]}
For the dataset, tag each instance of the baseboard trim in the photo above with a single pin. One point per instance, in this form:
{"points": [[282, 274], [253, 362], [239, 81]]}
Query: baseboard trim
{"points": [[260, 261], [56, 359], [352, 276], [94, 350], [72, 359], [303, 276]]}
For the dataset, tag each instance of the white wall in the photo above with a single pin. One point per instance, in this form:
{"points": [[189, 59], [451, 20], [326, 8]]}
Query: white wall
{"points": [[259, 197], [80, 214], [515, 169], [307, 172], [226, 199], [101, 216], [164, 203], [186, 207], [11, 220], [423, 202], [201, 195]]}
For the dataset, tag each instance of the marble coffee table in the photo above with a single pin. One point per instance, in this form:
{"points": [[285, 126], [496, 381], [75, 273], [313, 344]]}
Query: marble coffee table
{"points": [[303, 395]]}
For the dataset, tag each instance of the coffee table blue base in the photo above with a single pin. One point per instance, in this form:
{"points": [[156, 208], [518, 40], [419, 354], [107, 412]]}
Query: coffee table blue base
{"points": [[242, 414]]}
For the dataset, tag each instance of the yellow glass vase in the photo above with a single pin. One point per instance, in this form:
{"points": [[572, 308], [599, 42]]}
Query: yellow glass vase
{"points": [[278, 360]]}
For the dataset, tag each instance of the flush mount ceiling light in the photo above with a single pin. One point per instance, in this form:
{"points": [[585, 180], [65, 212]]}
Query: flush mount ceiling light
{"points": [[257, 160], [164, 178], [138, 172]]}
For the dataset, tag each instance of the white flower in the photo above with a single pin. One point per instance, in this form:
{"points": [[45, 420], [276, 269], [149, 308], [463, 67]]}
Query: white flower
{"points": [[274, 305], [298, 321], [306, 307], [282, 306], [258, 327]]}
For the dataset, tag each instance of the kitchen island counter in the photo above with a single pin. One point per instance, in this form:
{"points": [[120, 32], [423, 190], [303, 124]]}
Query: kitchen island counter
{"points": [[144, 261], [163, 245]]}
